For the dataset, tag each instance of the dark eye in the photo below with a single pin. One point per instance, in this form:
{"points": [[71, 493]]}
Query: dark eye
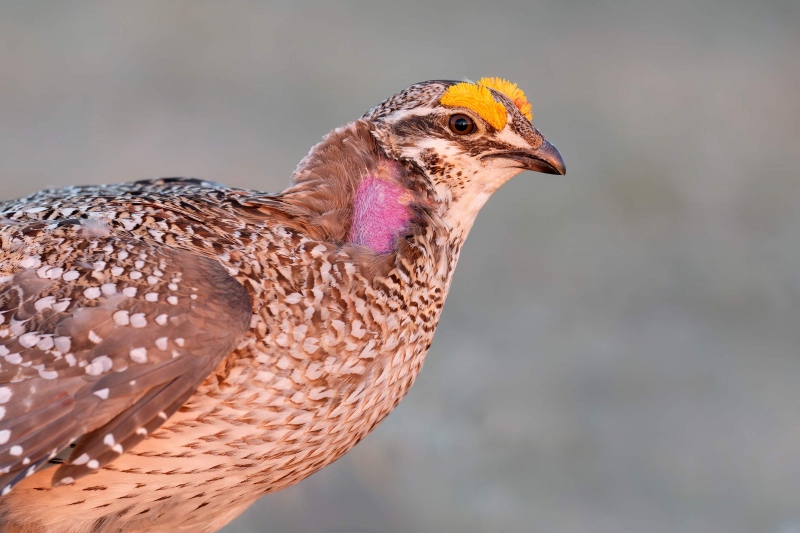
{"points": [[462, 124]]}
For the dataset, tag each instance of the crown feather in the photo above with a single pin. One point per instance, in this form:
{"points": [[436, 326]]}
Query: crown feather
{"points": [[514, 93]]}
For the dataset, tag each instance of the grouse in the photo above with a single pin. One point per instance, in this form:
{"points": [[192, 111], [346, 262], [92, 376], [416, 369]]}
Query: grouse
{"points": [[180, 348]]}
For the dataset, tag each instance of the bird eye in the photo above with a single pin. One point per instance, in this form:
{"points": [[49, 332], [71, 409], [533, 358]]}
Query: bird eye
{"points": [[462, 124]]}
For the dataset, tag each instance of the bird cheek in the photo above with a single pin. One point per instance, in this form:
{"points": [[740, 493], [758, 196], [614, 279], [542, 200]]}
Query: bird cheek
{"points": [[498, 164]]}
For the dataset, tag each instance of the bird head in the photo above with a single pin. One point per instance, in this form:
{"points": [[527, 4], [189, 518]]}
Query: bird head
{"points": [[467, 138]]}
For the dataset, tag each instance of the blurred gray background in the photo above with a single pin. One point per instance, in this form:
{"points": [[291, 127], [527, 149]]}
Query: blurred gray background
{"points": [[619, 352]]}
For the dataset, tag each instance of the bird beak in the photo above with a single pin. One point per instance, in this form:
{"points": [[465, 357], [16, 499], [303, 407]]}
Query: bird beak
{"points": [[546, 159]]}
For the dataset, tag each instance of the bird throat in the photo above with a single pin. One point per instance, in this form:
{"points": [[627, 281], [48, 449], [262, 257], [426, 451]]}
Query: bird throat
{"points": [[380, 210]]}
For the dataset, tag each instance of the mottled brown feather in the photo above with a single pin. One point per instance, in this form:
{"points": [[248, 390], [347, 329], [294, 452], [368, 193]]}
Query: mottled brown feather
{"points": [[73, 322]]}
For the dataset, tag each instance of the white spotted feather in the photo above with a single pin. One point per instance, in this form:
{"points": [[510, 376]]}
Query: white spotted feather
{"points": [[74, 366]]}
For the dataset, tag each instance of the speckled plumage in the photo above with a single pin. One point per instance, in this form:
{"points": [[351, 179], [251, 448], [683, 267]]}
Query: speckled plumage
{"points": [[204, 345]]}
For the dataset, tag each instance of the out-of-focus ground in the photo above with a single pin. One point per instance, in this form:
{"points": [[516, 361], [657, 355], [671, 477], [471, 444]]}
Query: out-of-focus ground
{"points": [[621, 348]]}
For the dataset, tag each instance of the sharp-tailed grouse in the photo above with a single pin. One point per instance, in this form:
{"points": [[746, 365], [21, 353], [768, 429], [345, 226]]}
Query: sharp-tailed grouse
{"points": [[200, 346]]}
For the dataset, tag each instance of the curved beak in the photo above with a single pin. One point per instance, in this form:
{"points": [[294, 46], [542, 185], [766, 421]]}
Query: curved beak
{"points": [[546, 159]]}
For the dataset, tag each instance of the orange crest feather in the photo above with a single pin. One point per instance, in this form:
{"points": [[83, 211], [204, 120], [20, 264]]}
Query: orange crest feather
{"points": [[514, 93], [479, 99]]}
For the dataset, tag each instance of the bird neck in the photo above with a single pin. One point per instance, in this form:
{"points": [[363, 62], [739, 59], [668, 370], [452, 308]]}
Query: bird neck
{"points": [[349, 191], [384, 213], [381, 211]]}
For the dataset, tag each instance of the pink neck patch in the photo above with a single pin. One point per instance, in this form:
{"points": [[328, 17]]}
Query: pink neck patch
{"points": [[379, 214]]}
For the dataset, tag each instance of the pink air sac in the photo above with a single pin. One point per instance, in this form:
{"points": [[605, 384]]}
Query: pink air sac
{"points": [[379, 214]]}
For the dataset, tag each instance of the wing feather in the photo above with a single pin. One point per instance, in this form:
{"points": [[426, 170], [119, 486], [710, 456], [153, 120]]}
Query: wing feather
{"points": [[102, 336]]}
